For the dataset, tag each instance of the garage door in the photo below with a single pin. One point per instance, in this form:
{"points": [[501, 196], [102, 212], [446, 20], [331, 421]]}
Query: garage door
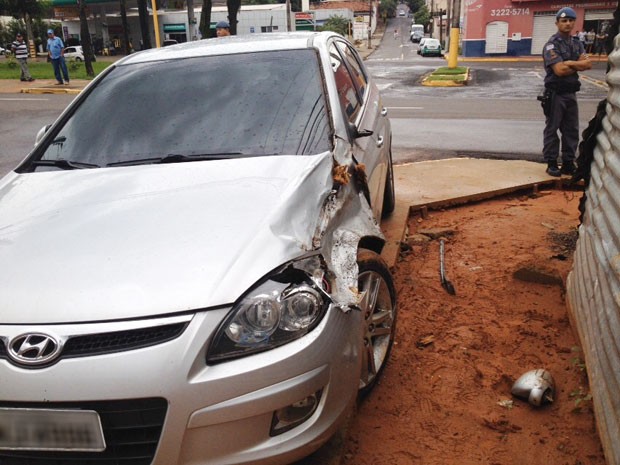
{"points": [[544, 27], [496, 37], [593, 15]]}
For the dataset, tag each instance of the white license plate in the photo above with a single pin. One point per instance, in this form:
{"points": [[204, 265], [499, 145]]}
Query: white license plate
{"points": [[43, 429]]}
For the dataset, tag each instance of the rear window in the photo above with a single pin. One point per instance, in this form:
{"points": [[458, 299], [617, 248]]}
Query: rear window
{"points": [[252, 104]]}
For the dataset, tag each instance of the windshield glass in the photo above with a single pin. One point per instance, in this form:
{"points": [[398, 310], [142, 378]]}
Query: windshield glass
{"points": [[251, 104]]}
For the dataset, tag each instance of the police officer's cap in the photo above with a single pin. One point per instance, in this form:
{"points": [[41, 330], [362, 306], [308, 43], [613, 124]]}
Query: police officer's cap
{"points": [[566, 12], [222, 25]]}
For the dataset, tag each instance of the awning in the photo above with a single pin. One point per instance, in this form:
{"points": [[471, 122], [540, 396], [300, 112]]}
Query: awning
{"points": [[74, 2], [177, 27]]}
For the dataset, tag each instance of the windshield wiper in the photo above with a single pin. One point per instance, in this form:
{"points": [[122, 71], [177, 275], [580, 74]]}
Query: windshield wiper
{"points": [[64, 164], [178, 158]]}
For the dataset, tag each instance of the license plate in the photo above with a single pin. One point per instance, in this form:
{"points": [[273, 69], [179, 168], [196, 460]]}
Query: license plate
{"points": [[42, 429]]}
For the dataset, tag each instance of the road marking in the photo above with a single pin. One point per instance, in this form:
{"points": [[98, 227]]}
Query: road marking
{"points": [[24, 99]]}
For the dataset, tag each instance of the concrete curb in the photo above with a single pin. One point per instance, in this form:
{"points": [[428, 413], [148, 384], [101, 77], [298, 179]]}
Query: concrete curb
{"points": [[50, 90]]}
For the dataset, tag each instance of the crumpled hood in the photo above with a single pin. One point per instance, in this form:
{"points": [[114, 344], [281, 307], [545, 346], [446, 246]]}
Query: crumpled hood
{"points": [[129, 242]]}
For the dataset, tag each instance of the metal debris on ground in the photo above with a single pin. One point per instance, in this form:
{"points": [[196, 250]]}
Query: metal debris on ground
{"points": [[447, 285], [535, 386]]}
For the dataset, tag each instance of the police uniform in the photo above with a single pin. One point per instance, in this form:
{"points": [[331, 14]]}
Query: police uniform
{"points": [[563, 112]]}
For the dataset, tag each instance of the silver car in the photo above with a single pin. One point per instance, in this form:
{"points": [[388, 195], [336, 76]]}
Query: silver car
{"points": [[190, 259]]}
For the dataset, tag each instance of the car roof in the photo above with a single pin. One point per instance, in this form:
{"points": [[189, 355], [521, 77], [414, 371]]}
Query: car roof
{"points": [[233, 44]]}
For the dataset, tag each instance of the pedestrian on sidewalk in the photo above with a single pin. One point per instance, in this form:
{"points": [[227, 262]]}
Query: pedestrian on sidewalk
{"points": [[564, 56], [20, 49], [590, 36], [601, 38], [56, 52]]}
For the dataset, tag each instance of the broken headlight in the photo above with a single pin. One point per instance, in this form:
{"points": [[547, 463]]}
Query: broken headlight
{"points": [[283, 307]]}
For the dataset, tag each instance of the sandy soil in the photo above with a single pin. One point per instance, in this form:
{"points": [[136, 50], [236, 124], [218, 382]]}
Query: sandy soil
{"points": [[445, 395]]}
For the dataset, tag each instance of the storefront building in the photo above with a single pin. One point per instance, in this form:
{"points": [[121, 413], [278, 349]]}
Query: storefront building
{"points": [[521, 28]]}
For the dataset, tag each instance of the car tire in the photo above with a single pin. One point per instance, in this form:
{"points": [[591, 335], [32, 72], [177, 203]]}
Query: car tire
{"points": [[378, 308], [78, 59], [389, 195]]}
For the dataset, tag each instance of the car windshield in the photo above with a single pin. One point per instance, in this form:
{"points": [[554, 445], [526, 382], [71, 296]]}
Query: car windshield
{"points": [[251, 104]]}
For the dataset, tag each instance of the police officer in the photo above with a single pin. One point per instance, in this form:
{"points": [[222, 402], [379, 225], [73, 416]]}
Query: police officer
{"points": [[564, 56], [222, 29]]}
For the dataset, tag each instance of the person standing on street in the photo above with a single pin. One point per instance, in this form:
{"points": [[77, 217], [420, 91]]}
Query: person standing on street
{"points": [[56, 52], [222, 29], [564, 57], [20, 49], [590, 36]]}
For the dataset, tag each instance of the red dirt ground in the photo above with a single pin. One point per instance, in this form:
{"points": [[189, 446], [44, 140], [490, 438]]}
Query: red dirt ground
{"points": [[455, 358]]}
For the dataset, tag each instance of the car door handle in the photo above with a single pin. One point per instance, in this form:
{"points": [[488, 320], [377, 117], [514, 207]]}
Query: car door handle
{"points": [[384, 111], [380, 141]]}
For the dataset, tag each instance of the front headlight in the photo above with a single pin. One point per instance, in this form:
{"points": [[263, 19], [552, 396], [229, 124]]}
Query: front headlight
{"points": [[282, 307]]}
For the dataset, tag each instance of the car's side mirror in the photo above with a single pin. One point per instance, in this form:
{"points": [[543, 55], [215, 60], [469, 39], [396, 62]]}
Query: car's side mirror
{"points": [[40, 134]]}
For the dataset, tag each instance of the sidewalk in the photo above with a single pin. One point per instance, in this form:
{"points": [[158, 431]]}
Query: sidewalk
{"points": [[41, 86]]}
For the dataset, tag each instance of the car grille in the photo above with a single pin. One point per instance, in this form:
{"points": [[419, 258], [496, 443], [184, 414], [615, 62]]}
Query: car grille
{"points": [[117, 341], [94, 344], [131, 428]]}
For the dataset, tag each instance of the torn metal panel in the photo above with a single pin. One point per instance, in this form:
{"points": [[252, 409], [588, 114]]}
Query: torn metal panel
{"points": [[345, 219]]}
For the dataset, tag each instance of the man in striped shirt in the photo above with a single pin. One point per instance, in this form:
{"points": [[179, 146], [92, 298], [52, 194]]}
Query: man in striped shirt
{"points": [[20, 49]]}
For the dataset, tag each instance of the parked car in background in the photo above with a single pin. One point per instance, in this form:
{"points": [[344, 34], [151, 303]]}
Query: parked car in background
{"points": [[200, 282], [416, 36], [168, 42], [431, 47], [75, 53], [421, 43], [3, 51]]}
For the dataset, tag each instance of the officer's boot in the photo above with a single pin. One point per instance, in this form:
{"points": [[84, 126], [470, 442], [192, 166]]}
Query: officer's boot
{"points": [[553, 170]]}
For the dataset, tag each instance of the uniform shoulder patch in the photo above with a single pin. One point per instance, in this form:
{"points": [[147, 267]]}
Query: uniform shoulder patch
{"points": [[549, 47]]}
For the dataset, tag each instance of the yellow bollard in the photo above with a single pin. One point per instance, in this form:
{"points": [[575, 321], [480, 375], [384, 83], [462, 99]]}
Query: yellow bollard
{"points": [[454, 48]]}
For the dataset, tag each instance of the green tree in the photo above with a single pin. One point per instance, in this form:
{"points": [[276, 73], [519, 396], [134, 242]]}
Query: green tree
{"points": [[233, 10], [422, 16], [85, 39], [205, 19], [25, 10], [387, 8], [338, 24]]}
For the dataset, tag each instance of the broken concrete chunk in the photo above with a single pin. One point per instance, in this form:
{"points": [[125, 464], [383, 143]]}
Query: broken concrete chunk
{"points": [[416, 239], [436, 233]]}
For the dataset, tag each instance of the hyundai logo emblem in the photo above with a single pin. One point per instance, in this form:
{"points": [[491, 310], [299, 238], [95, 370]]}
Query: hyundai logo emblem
{"points": [[33, 349]]}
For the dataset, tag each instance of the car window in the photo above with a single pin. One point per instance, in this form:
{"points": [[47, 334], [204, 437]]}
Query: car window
{"points": [[253, 104], [355, 67], [347, 92]]}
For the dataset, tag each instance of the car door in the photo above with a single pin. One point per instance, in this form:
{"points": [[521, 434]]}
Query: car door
{"points": [[362, 107]]}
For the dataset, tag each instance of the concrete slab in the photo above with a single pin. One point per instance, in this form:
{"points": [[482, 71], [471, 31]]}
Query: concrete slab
{"points": [[439, 183]]}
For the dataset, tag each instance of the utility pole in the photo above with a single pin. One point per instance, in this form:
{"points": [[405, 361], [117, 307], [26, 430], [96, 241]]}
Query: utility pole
{"points": [[369, 23], [441, 27], [453, 54], [288, 15], [449, 18], [191, 21], [432, 28]]}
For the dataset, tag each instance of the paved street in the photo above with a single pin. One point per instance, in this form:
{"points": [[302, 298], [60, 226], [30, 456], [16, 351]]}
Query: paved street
{"points": [[495, 115]]}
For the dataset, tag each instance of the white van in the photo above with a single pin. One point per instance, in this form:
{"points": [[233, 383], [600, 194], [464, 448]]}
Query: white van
{"points": [[417, 28]]}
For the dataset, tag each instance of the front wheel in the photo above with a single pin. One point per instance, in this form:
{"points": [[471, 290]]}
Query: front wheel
{"points": [[378, 308], [78, 59]]}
